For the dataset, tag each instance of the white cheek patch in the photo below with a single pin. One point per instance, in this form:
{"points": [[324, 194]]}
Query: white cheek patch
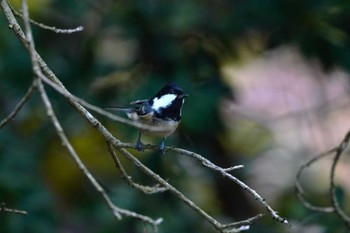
{"points": [[163, 101]]}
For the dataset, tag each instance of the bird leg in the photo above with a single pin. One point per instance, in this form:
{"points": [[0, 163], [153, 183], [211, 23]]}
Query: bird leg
{"points": [[162, 146], [139, 145]]}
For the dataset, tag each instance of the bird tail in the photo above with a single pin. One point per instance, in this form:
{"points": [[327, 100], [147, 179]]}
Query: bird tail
{"points": [[130, 112], [119, 109]]}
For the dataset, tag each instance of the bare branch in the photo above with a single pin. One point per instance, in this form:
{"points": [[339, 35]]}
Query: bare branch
{"points": [[3, 208], [224, 171], [233, 168], [46, 27], [144, 189], [51, 114], [59, 130], [299, 189], [164, 183], [338, 209], [19, 106], [118, 145], [241, 225]]}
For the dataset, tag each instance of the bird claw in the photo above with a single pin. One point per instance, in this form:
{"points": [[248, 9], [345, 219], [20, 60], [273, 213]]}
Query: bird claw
{"points": [[162, 147], [139, 146]]}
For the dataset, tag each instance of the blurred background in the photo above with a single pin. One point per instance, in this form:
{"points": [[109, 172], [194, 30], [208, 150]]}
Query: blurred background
{"points": [[269, 88]]}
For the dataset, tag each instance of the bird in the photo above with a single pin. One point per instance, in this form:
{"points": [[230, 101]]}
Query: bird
{"points": [[163, 111]]}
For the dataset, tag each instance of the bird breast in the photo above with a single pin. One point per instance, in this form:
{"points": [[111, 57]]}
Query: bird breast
{"points": [[164, 127]]}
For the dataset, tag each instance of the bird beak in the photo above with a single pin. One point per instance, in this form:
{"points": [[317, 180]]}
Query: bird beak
{"points": [[183, 96]]}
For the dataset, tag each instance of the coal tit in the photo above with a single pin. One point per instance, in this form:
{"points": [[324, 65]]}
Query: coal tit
{"points": [[162, 111]]}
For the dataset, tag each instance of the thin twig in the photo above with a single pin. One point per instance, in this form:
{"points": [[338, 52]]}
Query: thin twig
{"points": [[337, 152], [143, 188], [214, 167], [233, 168], [299, 189], [46, 27], [338, 209], [248, 221], [204, 162], [3, 208], [19, 106], [238, 229]]}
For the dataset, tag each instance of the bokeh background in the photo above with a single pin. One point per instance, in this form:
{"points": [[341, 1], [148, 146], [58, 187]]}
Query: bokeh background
{"points": [[268, 84]]}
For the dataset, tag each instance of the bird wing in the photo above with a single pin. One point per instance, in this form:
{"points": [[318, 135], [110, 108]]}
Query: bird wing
{"points": [[120, 109], [140, 110]]}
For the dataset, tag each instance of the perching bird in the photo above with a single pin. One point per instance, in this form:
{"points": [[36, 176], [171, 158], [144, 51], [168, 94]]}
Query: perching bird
{"points": [[162, 111]]}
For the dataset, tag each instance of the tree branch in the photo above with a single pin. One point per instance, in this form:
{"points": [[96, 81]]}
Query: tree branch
{"points": [[19, 106], [3, 208], [299, 189], [338, 209], [142, 188], [46, 27], [224, 172], [335, 208], [59, 130]]}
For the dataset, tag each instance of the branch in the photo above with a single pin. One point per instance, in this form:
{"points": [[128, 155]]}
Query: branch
{"points": [[299, 189], [59, 130], [337, 152], [224, 172], [46, 27], [19, 106], [3, 208], [119, 147], [142, 188], [241, 225], [51, 114], [338, 209]]}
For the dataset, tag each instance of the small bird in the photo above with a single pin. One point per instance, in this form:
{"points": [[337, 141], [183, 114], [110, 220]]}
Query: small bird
{"points": [[162, 111]]}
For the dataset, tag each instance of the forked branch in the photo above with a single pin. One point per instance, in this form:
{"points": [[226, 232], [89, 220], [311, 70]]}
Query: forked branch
{"points": [[337, 152]]}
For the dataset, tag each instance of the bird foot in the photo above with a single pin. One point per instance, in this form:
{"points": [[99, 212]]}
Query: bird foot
{"points": [[162, 147], [139, 146]]}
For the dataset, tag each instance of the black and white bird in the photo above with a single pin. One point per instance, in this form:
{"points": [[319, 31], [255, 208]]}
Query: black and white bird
{"points": [[162, 111]]}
